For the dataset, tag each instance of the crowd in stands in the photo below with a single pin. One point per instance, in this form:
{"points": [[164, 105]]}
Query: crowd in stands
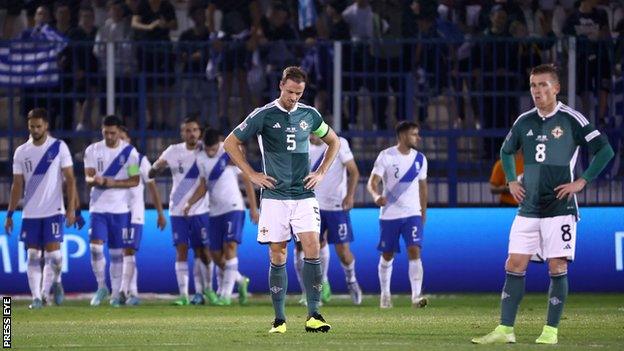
{"points": [[201, 47]]}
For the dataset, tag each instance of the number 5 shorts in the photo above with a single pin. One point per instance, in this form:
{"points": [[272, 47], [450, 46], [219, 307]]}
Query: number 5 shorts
{"points": [[277, 217], [544, 238]]}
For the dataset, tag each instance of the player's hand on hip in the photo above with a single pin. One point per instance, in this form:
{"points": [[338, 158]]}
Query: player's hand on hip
{"points": [[8, 225], [161, 222], [517, 191], [312, 180], [381, 201], [569, 189], [98, 181], [255, 216], [70, 219], [347, 203], [263, 180]]}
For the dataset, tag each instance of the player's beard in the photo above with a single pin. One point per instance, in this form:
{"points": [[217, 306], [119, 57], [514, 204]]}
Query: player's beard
{"points": [[38, 137]]}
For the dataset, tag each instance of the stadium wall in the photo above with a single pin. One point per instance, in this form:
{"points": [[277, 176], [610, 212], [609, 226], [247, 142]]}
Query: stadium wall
{"points": [[464, 251]]}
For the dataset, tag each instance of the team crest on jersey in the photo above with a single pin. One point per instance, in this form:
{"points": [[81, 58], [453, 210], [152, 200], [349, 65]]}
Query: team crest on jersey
{"points": [[50, 157], [542, 138], [304, 125], [122, 160], [557, 132]]}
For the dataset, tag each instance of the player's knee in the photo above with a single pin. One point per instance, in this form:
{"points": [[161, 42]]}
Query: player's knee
{"points": [[557, 266], [52, 246], [413, 252], [129, 252], [387, 255], [277, 255], [516, 264]]}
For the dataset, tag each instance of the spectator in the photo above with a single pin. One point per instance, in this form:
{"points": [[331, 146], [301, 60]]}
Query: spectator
{"points": [[37, 95], [85, 65], [593, 70], [63, 105], [199, 93], [152, 22], [338, 28], [100, 12], [117, 29], [276, 36], [498, 183], [492, 59], [387, 65], [431, 55], [233, 41], [12, 22], [360, 18]]}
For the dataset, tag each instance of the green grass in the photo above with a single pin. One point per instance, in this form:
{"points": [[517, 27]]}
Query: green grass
{"points": [[590, 322]]}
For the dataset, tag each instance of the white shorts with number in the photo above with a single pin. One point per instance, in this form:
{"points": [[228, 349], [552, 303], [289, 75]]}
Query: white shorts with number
{"points": [[544, 237], [277, 217]]}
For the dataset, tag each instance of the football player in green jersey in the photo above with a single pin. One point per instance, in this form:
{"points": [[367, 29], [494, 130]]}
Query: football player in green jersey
{"points": [[549, 137], [288, 205]]}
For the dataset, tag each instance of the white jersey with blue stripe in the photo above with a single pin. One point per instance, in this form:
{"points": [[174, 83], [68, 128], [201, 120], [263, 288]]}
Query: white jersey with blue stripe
{"points": [[185, 173], [222, 182], [400, 174], [110, 163], [137, 193], [42, 167], [331, 191]]}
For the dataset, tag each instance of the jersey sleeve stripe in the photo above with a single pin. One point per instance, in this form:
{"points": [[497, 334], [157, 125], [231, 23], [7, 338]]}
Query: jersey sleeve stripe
{"points": [[592, 135], [260, 109], [576, 115], [525, 114]]}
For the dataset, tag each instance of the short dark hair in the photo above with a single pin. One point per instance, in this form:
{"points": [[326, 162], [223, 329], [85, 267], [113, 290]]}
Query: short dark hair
{"points": [[86, 8], [191, 119], [294, 73], [405, 126], [38, 113], [546, 68], [211, 137], [112, 121]]}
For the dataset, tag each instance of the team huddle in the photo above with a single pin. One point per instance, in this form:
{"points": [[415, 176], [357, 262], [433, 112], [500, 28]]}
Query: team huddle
{"points": [[308, 184]]}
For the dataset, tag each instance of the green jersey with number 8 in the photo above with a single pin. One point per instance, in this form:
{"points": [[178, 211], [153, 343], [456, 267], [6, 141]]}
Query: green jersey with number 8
{"points": [[550, 146], [283, 137]]}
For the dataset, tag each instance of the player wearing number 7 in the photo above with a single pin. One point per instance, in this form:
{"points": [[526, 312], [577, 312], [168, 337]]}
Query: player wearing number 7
{"points": [[549, 136]]}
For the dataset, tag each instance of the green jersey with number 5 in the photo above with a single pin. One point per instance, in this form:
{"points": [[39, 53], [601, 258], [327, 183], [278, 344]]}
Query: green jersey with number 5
{"points": [[550, 146], [283, 137]]}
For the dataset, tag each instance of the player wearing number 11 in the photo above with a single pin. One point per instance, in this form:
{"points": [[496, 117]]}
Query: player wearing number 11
{"points": [[549, 136]]}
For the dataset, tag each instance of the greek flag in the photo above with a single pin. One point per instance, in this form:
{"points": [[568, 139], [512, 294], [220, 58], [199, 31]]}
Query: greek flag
{"points": [[31, 60]]}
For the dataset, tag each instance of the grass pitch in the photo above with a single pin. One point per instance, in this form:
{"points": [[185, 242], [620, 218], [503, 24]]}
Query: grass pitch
{"points": [[591, 321]]}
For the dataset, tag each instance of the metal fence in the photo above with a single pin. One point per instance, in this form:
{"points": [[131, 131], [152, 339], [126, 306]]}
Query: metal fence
{"points": [[464, 94]]}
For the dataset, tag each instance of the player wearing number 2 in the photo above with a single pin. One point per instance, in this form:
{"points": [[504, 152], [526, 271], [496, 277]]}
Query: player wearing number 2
{"points": [[549, 136]]}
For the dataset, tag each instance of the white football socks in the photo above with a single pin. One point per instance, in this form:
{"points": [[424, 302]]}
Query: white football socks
{"points": [[34, 272], [98, 264], [51, 269], [416, 277], [385, 275], [115, 270], [129, 266], [182, 276]]}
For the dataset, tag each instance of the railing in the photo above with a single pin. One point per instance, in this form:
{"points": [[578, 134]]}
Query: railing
{"points": [[465, 95]]}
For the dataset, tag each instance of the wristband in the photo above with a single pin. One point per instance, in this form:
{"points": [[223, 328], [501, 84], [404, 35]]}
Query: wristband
{"points": [[9, 214]]}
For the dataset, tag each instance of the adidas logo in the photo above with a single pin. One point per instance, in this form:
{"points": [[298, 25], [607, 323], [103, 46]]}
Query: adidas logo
{"points": [[567, 247], [277, 125], [530, 133], [504, 295]]}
